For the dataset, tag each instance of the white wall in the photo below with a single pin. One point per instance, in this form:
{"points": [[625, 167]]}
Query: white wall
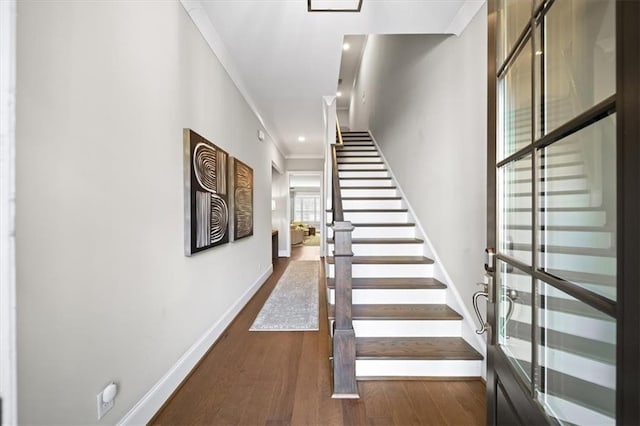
{"points": [[304, 164], [280, 193], [425, 103], [343, 118], [104, 289]]}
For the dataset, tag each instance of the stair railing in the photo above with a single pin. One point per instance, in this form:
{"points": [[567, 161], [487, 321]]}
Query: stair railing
{"points": [[344, 337]]}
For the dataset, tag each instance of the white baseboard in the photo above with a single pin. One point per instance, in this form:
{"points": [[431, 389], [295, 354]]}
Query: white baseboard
{"points": [[144, 410], [284, 253]]}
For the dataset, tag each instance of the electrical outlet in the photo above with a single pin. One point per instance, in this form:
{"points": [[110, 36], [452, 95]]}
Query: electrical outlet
{"points": [[103, 407]]}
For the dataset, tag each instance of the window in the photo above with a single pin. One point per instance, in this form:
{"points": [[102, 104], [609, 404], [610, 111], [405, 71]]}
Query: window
{"points": [[306, 208]]}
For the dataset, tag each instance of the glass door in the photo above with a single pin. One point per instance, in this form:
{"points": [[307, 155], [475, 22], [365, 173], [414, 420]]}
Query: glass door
{"points": [[554, 203]]}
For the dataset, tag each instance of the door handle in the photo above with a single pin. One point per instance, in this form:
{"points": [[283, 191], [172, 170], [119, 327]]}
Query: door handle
{"points": [[481, 320]]}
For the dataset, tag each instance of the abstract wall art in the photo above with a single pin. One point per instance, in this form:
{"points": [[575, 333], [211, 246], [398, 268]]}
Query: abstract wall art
{"points": [[242, 176], [206, 202]]}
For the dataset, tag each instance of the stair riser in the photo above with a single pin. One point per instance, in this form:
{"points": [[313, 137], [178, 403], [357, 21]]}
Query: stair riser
{"points": [[574, 184], [388, 271], [384, 192], [372, 204], [390, 296], [562, 158], [347, 160], [354, 143], [374, 217], [551, 171], [345, 183], [588, 218], [418, 368], [361, 166], [566, 238], [407, 328], [363, 174], [354, 153], [356, 148], [572, 413], [381, 232], [570, 200], [386, 249]]}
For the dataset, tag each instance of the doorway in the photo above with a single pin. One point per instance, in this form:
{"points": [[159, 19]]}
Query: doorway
{"points": [[306, 212]]}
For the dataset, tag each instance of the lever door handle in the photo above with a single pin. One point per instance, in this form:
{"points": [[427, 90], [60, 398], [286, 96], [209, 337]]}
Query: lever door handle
{"points": [[483, 323]]}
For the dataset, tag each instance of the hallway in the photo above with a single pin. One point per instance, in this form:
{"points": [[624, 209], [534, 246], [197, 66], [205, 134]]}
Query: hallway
{"points": [[257, 378]]}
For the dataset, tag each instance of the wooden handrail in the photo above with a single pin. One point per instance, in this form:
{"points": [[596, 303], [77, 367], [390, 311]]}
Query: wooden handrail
{"points": [[340, 141], [344, 337]]}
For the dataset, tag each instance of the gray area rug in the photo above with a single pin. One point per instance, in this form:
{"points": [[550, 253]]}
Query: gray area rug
{"points": [[293, 303]]}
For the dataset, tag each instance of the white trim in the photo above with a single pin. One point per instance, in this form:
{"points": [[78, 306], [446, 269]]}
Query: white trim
{"points": [[468, 327], [202, 22], [8, 347], [283, 253], [144, 410], [464, 16], [305, 157]]}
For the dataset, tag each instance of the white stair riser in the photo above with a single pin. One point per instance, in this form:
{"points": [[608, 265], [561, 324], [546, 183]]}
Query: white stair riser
{"points": [[365, 182], [562, 157], [372, 204], [361, 166], [376, 217], [364, 175], [418, 368], [580, 218], [574, 184], [566, 238], [354, 153], [386, 249], [556, 171], [407, 328], [569, 200], [348, 160], [572, 413], [388, 271], [384, 192], [381, 232], [393, 296]]}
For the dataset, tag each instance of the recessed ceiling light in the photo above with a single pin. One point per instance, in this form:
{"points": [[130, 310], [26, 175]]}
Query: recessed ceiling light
{"points": [[346, 46], [301, 139], [338, 94]]}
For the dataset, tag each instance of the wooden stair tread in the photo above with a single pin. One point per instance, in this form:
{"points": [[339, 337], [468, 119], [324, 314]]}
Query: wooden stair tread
{"points": [[382, 224], [424, 312], [382, 241], [362, 170], [392, 283], [368, 187], [425, 348], [367, 178], [582, 251], [386, 260], [371, 198]]}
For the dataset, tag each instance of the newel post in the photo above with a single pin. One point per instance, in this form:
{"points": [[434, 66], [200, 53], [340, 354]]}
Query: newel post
{"points": [[344, 337]]}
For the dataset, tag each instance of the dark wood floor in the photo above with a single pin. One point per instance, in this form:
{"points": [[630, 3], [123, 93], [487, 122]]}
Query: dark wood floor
{"points": [[283, 378]]}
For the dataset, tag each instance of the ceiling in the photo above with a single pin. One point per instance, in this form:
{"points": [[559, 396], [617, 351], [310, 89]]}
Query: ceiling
{"points": [[285, 59]]}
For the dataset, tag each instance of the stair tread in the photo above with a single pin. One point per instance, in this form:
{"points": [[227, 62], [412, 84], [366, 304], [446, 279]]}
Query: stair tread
{"points": [[561, 228], [371, 198], [392, 283], [382, 241], [360, 162], [554, 178], [367, 178], [375, 210], [362, 170], [386, 260], [558, 209], [424, 348], [551, 193], [406, 312], [368, 187], [383, 224]]}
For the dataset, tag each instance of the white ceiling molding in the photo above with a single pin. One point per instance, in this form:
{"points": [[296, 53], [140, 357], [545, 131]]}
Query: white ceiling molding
{"points": [[203, 24], [466, 12], [304, 157]]}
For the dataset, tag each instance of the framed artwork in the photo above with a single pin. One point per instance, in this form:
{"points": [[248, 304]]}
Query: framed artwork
{"points": [[206, 202], [242, 177]]}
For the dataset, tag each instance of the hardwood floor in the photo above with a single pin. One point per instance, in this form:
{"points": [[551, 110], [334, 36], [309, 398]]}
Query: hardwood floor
{"points": [[284, 378]]}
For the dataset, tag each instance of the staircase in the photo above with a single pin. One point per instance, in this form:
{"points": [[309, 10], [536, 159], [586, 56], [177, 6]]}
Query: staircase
{"points": [[403, 325]]}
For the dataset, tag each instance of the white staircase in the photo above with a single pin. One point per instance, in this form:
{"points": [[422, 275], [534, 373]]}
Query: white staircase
{"points": [[403, 325]]}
